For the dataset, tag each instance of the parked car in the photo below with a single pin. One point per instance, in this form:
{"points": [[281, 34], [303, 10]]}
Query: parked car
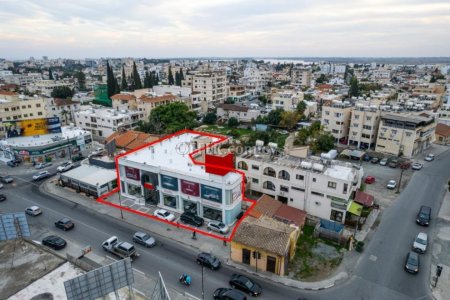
{"points": [[1, 186], [367, 157], [420, 243], [78, 158], [245, 284], [429, 157], [54, 241], [369, 180], [424, 216], [393, 163], [144, 239], [64, 167], [121, 249], [412, 262], [384, 162], [208, 260], [392, 184], [192, 219], [374, 160], [65, 224], [12, 163], [2, 197], [33, 210], [218, 226], [228, 294], [164, 214], [42, 165], [417, 166], [41, 175], [6, 179]]}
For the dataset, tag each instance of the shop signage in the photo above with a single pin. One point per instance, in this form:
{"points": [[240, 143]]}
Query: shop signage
{"points": [[132, 173], [169, 182], [211, 193], [190, 188]]}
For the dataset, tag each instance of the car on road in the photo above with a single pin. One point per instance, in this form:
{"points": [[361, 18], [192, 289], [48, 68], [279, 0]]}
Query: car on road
{"points": [[374, 160], [6, 179], [41, 175], [192, 219], [417, 166], [65, 224], [384, 162], [369, 180], [164, 214], [12, 163], [420, 243], [144, 239], [228, 294], [218, 226], [284, 132], [54, 241], [393, 163], [412, 262], [1, 186], [64, 167], [2, 197], [42, 165], [392, 184], [424, 216], [429, 157], [208, 260], [245, 284], [33, 210]]}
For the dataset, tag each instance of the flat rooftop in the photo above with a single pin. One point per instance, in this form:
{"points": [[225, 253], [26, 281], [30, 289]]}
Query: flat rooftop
{"points": [[172, 154], [91, 175]]}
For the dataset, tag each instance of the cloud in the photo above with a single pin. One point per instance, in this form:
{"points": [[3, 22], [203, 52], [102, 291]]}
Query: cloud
{"points": [[174, 28]]}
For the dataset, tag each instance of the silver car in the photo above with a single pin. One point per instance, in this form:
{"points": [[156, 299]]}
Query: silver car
{"points": [[144, 239], [218, 226], [33, 210]]}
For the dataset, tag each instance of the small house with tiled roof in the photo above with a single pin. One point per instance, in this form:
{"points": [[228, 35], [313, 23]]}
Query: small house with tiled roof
{"points": [[131, 139], [442, 134], [124, 102], [146, 103]]}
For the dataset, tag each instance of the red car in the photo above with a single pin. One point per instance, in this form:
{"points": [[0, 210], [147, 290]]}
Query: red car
{"points": [[369, 179]]}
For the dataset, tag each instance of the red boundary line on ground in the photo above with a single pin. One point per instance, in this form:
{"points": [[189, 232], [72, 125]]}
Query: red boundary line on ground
{"points": [[221, 139]]}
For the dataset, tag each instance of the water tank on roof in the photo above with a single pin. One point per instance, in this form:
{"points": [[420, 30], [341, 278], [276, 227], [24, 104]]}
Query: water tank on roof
{"points": [[330, 155], [273, 146], [259, 143], [396, 107], [306, 165], [318, 167]]}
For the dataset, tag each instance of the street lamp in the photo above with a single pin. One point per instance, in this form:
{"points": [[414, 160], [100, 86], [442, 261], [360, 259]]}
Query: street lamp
{"points": [[70, 152], [203, 289], [120, 202], [402, 168]]}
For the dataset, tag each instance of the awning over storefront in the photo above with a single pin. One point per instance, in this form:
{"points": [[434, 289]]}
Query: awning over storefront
{"points": [[364, 198], [354, 208], [353, 154]]}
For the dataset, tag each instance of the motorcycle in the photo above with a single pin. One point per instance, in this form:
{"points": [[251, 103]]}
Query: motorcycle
{"points": [[185, 279]]}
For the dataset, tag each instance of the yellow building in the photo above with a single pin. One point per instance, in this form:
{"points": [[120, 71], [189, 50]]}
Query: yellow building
{"points": [[265, 243], [336, 120]]}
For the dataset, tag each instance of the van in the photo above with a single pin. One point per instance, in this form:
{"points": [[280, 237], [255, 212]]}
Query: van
{"points": [[424, 215]]}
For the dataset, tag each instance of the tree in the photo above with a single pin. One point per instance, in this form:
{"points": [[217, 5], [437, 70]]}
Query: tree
{"points": [[274, 117], [169, 119], [62, 92], [81, 79], [177, 79], [124, 84], [289, 119], [321, 79], [301, 107], [137, 84], [354, 87], [233, 122], [156, 79], [210, 118], [110, 82], [181, 76], [263, 99], [301, 139], [170, 77], [116, 87], [64, 114], [323, 143], [50, 75]]}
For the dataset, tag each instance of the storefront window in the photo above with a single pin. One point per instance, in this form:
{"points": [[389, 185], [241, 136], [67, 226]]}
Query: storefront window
{"points": [[190, 206], [133, 190], [170, 201], [211, 193], [211, 213]]}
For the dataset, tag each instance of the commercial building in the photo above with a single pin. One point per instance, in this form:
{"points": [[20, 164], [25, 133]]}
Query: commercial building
{"points": [[322, 188], [162, 173], [405, 135], [336, 120]]}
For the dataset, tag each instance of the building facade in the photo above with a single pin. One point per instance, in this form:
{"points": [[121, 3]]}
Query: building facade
{"points": [[364, 124], [241, 113], [336, 120]]}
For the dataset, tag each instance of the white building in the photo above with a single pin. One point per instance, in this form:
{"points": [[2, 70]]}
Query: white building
{"points": [[209, 89], [255, 80], [46, 87], [321, 189], [64, 109], [163, 174], [241, 113], [22, 79]]}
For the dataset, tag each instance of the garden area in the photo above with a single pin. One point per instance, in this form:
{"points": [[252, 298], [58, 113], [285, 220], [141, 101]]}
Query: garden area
{"points": [[315, 258]]}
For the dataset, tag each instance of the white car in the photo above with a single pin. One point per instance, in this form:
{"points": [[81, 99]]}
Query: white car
{"points": [[1, 186], [164, 214], [218, 226], [392, 184], [65, 167], [33, 210], [429, 157], [41, 175], [420, 243]]}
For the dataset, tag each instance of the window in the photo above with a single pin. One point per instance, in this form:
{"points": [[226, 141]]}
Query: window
{"points": [[297, 189], [38, 105], [269, 185], [242, 165], [170, 201], [336, 215], [39, 113], [368, 118], [314, 179], [284, 188], [367, 127], [408, 134], [255, 167], [299, 177], [332, 185], [317, 194], [356, 117], [345, 188], [255, 180]]}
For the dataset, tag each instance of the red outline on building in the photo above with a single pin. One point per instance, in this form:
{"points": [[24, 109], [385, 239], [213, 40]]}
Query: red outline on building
{"points": [[221, 139]]}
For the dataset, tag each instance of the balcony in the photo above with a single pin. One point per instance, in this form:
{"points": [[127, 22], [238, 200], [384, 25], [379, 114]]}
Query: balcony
{"points": [[270, 172]]}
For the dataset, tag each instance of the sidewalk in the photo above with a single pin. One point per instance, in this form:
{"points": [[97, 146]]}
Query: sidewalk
{"points": [[201, 244]]}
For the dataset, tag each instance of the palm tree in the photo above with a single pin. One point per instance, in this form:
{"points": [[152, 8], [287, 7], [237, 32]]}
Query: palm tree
{"points": [[65, 114]]}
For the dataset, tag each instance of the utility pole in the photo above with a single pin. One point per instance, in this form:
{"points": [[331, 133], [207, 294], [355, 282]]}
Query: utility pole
{"points": [[120, 203], [400, 180], [203, 289]]}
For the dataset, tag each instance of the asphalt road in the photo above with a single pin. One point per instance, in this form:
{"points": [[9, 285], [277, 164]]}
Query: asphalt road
{"points": [[378, 273]]}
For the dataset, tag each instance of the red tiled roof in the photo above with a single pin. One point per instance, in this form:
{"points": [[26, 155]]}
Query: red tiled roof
{"points": [[126, 97], [232, 107], [61, 102], [288, 214], [364, 198], [443, 130], [266, 205], [131, 139], [7, 93], [150, 99]]}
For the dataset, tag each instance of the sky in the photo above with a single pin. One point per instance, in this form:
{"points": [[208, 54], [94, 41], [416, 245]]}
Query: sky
{"points": [[224, 28]]}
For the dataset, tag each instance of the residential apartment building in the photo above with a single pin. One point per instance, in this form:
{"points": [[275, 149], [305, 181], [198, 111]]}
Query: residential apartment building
{"points": [[336, 120], [22, 79], [286, 100], [405, 135], [364, 124], [321, 188], [301, 77], [255, 80], [124, 101], [17, 107], [45, 87], [237, 93], [64, 109], [102, 122], [146, 103], [163, 174], [241, 113]]}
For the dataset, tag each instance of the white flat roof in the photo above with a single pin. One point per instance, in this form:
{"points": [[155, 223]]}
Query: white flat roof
{"points": [[91, 174], [172, 155], [340, 172]]}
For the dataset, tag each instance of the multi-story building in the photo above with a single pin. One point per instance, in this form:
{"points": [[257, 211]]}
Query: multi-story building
{"points": [[163, 174], [321, 189], [336, 120], [45, 87], [237, 93], [301, 77], [255, 80], [64, 109], [286, 100], [124, 101], [22, 79], [146, 103], [364, 126], [405, 135], [102, 122]]}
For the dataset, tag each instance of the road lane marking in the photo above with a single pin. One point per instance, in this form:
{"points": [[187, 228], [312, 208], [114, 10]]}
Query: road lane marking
{"points": [[109, 257], [139, 272]]}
